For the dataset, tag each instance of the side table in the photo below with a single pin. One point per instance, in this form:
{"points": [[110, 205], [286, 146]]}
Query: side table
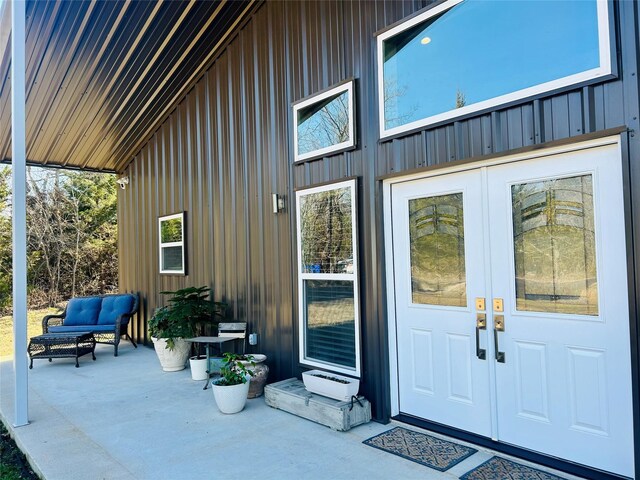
{"points": [[208, 341]]}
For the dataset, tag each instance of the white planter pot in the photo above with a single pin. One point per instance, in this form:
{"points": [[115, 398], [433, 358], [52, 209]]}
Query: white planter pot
{"points": [[330, 388], [198, 368], [172, 360], [257, 359], [230, 399]]}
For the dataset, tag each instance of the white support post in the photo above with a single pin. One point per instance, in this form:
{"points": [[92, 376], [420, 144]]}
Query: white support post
{"points": [[19, 176]]}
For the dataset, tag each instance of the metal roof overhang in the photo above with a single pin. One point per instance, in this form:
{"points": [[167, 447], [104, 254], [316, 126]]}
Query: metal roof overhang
{"points": [[101, 76]]}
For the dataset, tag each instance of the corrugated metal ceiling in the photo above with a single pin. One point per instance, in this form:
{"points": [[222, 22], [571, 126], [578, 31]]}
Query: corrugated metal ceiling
{"points": [[102, 75]]}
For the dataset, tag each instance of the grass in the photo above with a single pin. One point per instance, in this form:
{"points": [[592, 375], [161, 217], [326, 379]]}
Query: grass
{"points": [[13, 463], [34, 327]]}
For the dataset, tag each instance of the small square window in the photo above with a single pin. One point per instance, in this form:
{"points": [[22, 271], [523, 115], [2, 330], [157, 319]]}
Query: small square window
{"points": [[324, 123], [171, 235]]}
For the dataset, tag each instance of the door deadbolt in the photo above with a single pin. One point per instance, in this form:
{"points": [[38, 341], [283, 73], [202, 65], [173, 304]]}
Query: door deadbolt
{"points": [[498, 305]]}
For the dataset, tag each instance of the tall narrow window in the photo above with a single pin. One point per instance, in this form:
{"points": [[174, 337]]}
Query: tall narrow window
{"points": [[464, 56], [171, 234], [324, 123], [328, 277]]}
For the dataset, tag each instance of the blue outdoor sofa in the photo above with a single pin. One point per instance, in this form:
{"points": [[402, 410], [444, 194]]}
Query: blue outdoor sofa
{"points": [[106, 316]]}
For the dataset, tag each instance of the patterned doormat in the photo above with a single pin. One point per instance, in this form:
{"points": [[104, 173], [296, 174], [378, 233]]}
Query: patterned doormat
{"points": [[497, 467], [420, 448]]}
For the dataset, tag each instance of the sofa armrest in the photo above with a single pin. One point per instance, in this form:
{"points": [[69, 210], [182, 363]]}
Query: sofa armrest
{"points": [[53, 320], [123, 320]]}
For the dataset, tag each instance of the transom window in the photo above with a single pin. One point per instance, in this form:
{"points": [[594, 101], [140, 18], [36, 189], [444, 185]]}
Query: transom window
{"points": [[465, 56], [324, 123], [328, 291]]}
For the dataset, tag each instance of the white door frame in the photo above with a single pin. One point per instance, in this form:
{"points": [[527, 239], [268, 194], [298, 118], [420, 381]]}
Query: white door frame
{"points": [[388, 234]]}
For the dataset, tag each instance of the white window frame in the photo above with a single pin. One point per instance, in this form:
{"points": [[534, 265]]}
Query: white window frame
{"points": [[604, 40], [171, 244], [354, 276], [351, 142]]}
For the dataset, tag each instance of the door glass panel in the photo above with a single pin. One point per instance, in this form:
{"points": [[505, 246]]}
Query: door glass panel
{"points": [[554, 244], [436, 234]]}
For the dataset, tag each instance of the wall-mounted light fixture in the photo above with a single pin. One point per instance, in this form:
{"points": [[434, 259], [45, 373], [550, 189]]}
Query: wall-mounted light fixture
{"points": [[277, 202], [123, 181]]}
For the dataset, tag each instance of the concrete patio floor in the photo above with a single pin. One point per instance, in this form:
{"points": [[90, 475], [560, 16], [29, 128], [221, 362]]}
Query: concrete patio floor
{"points": [[124, 418]]}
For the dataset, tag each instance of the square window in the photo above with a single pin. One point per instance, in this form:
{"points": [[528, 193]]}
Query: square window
{"points": [[324, 123]]}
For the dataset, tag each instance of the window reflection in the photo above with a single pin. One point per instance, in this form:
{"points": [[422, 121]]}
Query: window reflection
{"points": [[326, 229], [323, 124], [436, 233], [554, 241], [171, 230], [330, 321], [482, 49]]}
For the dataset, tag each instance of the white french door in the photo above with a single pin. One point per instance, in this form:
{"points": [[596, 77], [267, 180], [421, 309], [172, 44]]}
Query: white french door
{"points": [[439, 266], [511, 307]]}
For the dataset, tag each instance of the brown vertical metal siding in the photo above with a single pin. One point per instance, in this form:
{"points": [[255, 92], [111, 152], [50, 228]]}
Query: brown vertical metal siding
{"points": [[226, 148]]}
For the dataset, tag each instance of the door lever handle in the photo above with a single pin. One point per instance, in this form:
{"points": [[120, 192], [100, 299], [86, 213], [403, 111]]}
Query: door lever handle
{"points": [[498, 326], [481, 324]]}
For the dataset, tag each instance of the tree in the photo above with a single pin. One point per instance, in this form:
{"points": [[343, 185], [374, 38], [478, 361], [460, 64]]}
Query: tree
{"points": [[397, 109], [461, 100], [326, 223], [5, 239], [96, 253], [72, 235], [324, 124]]}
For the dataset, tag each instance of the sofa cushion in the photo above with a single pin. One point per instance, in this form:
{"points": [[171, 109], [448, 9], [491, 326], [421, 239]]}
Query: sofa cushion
{"points": [[82, 328], [113, 306], [83, 311]]}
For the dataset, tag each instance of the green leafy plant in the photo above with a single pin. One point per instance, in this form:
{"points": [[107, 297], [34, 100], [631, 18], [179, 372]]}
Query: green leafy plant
{"points": [[235, 371], [188, 310]]}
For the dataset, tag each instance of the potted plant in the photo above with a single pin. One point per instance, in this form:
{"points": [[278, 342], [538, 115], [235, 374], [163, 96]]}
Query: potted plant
{"points": [[231, 389], [259, 375], [198, 362], [188, 310], [331, 385]]}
